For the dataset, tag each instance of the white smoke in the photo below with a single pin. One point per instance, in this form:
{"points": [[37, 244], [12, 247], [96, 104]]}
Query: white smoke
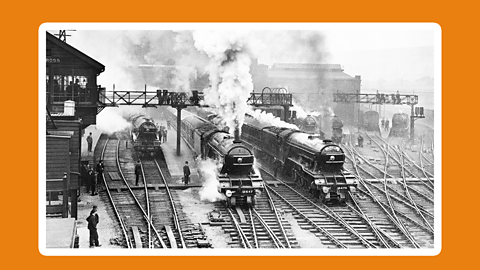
{"points": [[112, 120], [209, 191], [229, 70], [270, 119]]}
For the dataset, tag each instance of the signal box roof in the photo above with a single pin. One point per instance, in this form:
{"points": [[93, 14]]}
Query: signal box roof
{"points": [[62, 54]]}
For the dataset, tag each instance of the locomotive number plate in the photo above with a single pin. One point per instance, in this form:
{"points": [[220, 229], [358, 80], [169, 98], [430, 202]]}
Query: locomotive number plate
{"points": [[247, 191], [341, 188]]}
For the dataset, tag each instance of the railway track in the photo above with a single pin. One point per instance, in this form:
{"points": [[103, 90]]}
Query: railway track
{"points": [[410, 218], [261, 227], [149, 214], [128, 209]]}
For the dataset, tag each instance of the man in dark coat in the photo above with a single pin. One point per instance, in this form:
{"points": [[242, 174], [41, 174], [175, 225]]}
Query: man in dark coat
{"points": [[100, 167], [90, 142], [91, 182], [84, 175], [186, 173], [138, 172], [93, 220]]}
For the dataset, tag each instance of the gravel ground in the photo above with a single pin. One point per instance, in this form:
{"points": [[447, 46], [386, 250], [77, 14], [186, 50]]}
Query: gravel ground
{"points": [[197, 212]]}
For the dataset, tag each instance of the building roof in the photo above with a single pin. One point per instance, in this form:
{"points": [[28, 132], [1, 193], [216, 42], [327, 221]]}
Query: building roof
{"points": [[307, 66], [87, 59]]}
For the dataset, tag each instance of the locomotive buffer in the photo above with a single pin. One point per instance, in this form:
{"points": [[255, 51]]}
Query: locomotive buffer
{"points": [[381, 98]]}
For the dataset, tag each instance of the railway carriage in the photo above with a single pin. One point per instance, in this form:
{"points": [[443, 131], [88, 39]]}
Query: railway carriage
{"points": [[238, 179], [144, 136], [312, 162]]}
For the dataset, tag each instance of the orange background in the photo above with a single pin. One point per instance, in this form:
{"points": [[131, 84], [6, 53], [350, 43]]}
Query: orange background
{"points": [[20, 22]]}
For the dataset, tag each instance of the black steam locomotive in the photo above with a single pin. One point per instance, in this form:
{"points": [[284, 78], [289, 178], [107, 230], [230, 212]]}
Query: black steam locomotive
{"points": [[400, 125], [314, 163], [370, 121], [238, 179], [144, 135], [337, 131]]}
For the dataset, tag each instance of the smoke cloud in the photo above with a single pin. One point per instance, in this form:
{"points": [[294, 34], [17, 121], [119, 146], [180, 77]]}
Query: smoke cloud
{"points": [[229, 73], [269, 118], [209, 191], [112, 120]]}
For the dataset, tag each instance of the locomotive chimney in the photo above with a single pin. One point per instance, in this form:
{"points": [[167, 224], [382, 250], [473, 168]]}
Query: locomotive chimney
{"points": [[237, 135]]}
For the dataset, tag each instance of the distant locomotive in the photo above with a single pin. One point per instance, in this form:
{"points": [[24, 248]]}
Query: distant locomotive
{"points": [[144, 135], [314, 163], [238, 179], [400, 125], [370, 121], [337, 131]]}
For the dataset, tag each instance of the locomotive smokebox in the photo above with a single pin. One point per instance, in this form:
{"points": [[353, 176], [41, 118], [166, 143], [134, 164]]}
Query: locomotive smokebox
{"points": [[237, 135]]}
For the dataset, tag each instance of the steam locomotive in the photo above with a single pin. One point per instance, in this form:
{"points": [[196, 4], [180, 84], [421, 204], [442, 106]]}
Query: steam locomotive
{"points": [[370, 121], [144, 134], [399, 125], [238, 179], [337, 131], [314, 163]]}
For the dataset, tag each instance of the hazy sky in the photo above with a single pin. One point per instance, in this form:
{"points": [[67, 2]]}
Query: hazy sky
{"points": [[386, 54]]}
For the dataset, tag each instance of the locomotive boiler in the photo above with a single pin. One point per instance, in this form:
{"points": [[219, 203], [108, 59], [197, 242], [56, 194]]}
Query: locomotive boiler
{"points": [[312, 162]]}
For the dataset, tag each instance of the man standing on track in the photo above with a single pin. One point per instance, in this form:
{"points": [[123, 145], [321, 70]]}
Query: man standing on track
{"points": [[93, 220], [90, 142], [138, 172], [186, 173]]}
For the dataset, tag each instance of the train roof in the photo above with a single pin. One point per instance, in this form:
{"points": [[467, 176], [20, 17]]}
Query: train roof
{"points": [[307, 140], [198, 123]]}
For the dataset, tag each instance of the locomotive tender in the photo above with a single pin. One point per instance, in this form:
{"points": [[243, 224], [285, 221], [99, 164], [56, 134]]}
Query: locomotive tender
{"points": [[312, 162], [238, 179], [144, 136]]}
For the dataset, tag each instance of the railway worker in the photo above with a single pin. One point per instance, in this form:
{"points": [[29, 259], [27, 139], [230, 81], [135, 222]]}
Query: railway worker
{"points": [[160, 134], [138, 172], [383, 123], [90, 142], [164, 134], [186, 173], [398, 98], [100, 167], [168, 124], [91, 182], [387, 125], [84, 175], [360, 140], [93, 221]]}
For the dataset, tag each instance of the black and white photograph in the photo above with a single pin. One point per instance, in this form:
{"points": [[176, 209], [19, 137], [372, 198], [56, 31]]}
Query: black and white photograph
{"points": [[284, 139]]}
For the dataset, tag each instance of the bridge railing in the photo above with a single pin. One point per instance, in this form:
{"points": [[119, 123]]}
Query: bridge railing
{"points": [[379, 98]]}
